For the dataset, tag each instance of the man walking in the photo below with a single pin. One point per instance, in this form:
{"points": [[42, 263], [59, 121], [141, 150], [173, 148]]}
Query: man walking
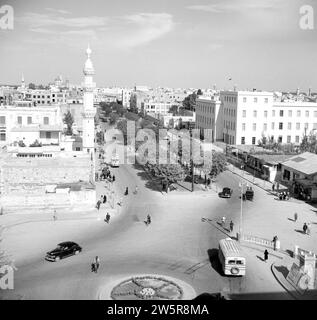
{"points": [[305, 227], [104, 198], [266, 255], [295, 216], [231, 226]]}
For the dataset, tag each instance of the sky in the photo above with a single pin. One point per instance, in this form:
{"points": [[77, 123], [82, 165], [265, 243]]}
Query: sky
{"points": [[176, 43]]}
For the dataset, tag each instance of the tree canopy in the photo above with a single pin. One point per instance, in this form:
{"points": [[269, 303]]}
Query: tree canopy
{"points": [[68, 120]]}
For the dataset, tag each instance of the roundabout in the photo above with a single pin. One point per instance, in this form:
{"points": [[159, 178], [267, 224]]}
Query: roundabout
{"points": [[147, 287]]}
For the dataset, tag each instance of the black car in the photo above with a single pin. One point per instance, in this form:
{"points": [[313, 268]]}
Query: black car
{"points": [[225, 193], [63, 250]]}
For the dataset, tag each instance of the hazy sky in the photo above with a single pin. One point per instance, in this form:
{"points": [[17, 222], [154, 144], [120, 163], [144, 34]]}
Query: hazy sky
{"points": [[175, 43]]}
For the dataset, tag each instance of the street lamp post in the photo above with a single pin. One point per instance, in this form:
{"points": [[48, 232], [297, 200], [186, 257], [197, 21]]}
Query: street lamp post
{"points": [[241, 184]]}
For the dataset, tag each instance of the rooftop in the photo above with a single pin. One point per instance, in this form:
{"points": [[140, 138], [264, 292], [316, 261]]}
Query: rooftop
{"points": [[305, 163]]}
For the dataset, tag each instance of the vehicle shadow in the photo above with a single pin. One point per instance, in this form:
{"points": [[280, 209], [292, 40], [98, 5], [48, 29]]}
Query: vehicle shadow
{"points": [[260, 258], [300, 231], [291, 219], [214, 260]]}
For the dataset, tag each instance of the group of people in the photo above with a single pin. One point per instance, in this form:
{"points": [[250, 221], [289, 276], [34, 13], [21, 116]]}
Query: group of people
{"points": [[223, 222], [284, 195]]}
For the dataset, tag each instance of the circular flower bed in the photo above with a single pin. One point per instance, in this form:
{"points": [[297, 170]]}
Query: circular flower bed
{"points": [[146, 288]]}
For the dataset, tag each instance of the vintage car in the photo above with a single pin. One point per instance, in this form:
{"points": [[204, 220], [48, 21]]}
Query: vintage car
{"points": [[249, 194], [225, 193], [63, 250]]}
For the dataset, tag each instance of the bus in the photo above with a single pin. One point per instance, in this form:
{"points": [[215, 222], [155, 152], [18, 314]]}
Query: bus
{"points": [[115, 161], [231, 258]]}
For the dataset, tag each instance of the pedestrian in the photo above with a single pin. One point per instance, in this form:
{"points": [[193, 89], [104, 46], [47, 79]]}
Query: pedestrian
{"points": [[113, 178], [208, 182], [126, 191], [231, 226], [107, 217], [305, 227], [266, 255], [98, 204], [274, 242], [54, 216], [273, 187], [295, 216], [104, 198], [223, 221], [97, 263]]}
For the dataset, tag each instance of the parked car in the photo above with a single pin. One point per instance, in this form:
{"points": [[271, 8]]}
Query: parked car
{"points": [[225, 193], [63, 250]]}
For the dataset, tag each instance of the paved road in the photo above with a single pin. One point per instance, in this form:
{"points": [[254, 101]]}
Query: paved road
{"points": [[177, 244]]}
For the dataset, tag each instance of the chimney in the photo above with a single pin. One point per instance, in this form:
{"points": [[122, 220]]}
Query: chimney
{"points": [[254, 90], [309, 92]]}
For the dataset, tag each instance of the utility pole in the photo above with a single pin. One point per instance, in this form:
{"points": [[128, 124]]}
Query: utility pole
{"points": [[241, 204], [191, 157]]}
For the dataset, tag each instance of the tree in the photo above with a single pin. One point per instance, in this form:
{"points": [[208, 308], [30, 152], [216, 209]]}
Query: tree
{"points": [[309, 143], [122, 126], [173, 110], [172, 172], [113, 118], [105, 108], [189, 102], [214, 163], [32, 86], [199, 92], [68, 120]]}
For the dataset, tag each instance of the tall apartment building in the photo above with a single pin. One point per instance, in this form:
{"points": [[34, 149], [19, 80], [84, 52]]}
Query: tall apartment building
{"points": [[246, 116]]}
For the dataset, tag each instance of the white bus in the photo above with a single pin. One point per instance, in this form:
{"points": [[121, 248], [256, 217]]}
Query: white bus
{"points": [[115, 161], [231, 258]]}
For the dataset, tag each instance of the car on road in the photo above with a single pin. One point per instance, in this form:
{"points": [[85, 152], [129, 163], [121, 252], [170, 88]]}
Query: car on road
{"points": [[225, 193], [115, 161], [63, 250]]}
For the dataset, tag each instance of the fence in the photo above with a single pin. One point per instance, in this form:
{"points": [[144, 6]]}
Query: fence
{"points": [[259, 241]]}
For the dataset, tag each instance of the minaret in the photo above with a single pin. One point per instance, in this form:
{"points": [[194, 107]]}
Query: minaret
{"points": [[89, 110], [22, 82]]}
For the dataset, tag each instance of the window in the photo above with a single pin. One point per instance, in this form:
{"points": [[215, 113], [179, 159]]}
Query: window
{"points": [[297, 139], [244, 113], [29, 120], [306, 114], [255, 100], [273, 113], [265, 114], [290, 113], [46, 120], [266, 100], [243, 126], [281, 113], [298, 113], [280, 126], [254, 126], [242, 140], [265, 126], [289, 126], [288, 139], [254, 113], [253, 140], [2, 120], [48, 135], [297, 126], [2, 136], [244, 99], [273, 125], [19, 120], [280, 139]]}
